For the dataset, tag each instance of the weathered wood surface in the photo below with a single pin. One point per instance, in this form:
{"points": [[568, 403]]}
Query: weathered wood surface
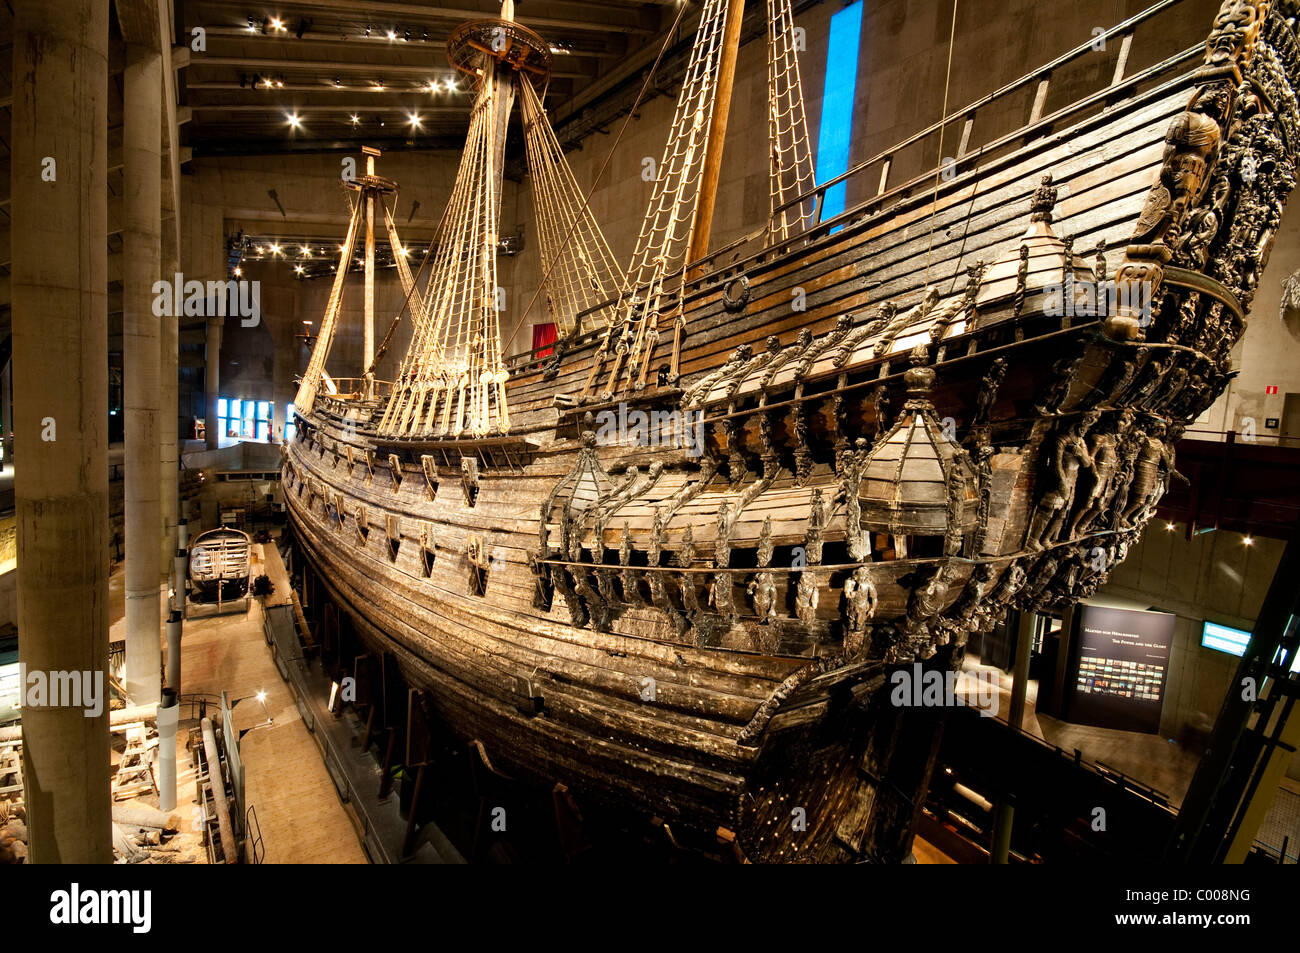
{"points": [[1054, 431]]}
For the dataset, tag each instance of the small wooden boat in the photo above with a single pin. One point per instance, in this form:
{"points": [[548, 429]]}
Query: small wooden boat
{"points": [[220, 565]]}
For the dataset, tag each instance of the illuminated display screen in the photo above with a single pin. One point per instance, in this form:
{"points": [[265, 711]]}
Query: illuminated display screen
{"points": [[1224, 638]]}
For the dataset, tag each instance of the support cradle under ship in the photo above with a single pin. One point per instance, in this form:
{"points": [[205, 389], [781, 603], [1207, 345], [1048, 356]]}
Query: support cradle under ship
{"points": [[975, 410]]}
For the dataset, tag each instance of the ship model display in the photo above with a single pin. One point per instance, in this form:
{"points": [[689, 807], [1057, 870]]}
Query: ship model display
{"points": [[220, 565], [671, 564]]}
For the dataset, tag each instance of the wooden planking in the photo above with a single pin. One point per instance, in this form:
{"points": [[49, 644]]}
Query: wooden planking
{"points": [[1132, 149]]}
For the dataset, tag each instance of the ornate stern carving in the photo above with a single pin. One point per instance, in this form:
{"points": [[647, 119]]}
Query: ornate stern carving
{"points": [[1022, 283], [685, 559], [655, 576], [721, 594], [627, 576], [993, 378], [860, 598], [1070, 454], [807, 592], [762, 588]]}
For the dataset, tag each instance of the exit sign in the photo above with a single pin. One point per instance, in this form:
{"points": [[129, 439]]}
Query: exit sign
{"points": [[1270, 389]]}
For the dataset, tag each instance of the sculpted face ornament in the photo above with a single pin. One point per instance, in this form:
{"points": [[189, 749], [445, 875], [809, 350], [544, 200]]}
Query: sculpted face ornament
{"points": [[1235, 31]]}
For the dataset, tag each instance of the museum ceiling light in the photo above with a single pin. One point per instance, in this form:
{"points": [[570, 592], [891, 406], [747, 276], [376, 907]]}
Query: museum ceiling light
{"points": [[294, 121], [278, 25]]}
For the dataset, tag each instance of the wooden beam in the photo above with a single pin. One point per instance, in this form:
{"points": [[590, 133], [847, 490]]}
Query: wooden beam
{"points": [[629, 22]]}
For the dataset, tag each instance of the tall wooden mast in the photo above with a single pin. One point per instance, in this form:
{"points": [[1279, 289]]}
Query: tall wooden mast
{"points": [[368, 318], [699, 246]]}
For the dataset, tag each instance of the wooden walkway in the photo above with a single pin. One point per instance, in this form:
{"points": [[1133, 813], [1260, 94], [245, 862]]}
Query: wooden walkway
{"points": [[301, 818]]}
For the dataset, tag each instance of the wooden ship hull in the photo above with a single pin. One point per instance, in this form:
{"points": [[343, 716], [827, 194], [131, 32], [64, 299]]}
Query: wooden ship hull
{"points": [[220, 564], [973, 411]]}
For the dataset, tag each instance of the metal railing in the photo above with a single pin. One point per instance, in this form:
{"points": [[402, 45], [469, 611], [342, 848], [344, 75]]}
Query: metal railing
{"points": [[254, 846], [1246, 436]]}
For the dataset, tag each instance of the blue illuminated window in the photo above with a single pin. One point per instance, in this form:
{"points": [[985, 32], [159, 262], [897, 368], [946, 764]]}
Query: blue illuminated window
{"points": [[836, 131], [242, 419]]}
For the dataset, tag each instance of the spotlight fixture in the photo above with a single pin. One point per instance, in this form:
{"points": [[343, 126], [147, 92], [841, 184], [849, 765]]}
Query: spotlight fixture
{"points": [[294, 121], [252, 25], [1248, 541], [415, 120], [406, 37], [299, 269], [379, 86], [278, 25], [392, 35], [275, 249], [451, 84], [338, 82], [306, 251], [432, 86], [239, 272], [1170, 527], [424, 36], [355, 119], [367, 31]]}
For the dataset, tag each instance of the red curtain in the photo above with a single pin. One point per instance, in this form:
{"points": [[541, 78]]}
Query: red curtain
{"points": [[543, 334]]}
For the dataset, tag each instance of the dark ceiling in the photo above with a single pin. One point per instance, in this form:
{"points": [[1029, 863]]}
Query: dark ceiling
{"points": [[307, 75]]}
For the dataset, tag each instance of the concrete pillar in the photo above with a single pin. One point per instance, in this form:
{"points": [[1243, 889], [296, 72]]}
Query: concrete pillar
{"points": [[1025, 625], [59, 209], [168, 715], [142, 221], [212, 382], [174, 629], [7, 414], [168, 412]]}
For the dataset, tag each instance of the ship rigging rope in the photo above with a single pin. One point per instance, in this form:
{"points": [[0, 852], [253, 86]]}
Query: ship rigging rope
{"points": [[943, 122], [311, 378], [410, 290], [582, 270], [674, 205], [790, 162], [600, 174]]}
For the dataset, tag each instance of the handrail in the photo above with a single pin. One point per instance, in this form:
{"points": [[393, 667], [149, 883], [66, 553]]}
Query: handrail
{"points": [[1016, 84], [1238, 437], [526, 357]]}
